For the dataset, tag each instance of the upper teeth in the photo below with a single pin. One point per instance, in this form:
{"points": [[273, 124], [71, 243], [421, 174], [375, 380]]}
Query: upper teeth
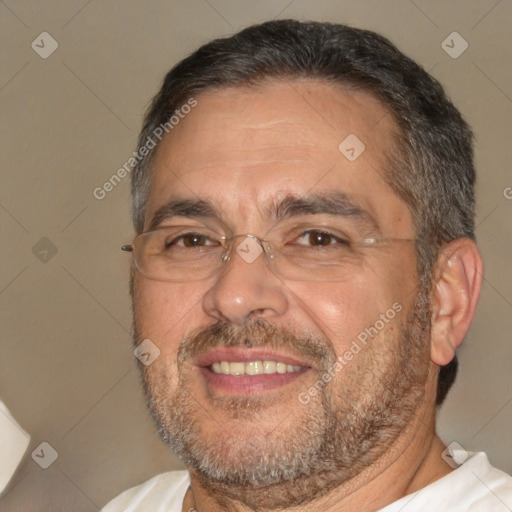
{"points": [[253, 368]]}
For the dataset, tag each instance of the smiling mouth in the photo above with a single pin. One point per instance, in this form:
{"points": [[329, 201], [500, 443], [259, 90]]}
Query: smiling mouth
{"points": [[243, 371], [257, 367]]}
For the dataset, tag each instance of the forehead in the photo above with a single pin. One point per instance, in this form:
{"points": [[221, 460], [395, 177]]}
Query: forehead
{"points": [[242, 148]]}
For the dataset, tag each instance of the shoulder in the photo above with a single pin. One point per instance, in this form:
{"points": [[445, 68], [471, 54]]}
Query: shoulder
{"points": [[474, 486], [164, 492], [489, 486]]}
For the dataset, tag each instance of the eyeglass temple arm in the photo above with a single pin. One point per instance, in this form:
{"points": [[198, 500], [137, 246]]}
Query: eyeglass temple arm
{"points": [[127, 248]]}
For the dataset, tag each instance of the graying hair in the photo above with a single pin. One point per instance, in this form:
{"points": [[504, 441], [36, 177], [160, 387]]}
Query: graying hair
{"points": [[431, 167]]}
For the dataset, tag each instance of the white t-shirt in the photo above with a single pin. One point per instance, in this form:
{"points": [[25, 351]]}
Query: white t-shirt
{"points": [[475, 486]]}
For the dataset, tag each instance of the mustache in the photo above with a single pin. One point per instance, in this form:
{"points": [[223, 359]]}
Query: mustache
{"points": [[313, 348]]}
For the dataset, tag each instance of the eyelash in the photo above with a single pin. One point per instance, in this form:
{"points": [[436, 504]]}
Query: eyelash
{"points": [[334, 239], [176, 241]]}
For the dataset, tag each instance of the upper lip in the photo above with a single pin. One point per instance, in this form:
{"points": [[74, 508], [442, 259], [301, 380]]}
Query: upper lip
{"points": [[244, 355]]}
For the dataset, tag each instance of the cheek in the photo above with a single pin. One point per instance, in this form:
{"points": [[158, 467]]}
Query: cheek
{"points": [[344, 310], [334, 308], [164, 312]]}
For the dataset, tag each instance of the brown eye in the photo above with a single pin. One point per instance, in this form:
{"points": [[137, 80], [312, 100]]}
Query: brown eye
{"points": [[189, 241], [194, 240], [319, 239]]}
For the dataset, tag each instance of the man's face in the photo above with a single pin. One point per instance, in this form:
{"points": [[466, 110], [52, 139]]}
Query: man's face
{"points": [[248, 153]]}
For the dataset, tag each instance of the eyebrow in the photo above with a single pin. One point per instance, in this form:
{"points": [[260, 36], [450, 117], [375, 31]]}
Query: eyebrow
{"points": [[192, 208], [331, 204], [336, 204]]}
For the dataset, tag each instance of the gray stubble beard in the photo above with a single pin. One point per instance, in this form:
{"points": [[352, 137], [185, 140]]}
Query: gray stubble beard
{"points": [[341, 433]]}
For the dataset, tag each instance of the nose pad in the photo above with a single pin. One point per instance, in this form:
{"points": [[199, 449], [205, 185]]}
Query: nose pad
{"points": [[249, 248]]}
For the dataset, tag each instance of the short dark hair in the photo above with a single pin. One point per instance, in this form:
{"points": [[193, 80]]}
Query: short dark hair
{"points": [[432, 165]]}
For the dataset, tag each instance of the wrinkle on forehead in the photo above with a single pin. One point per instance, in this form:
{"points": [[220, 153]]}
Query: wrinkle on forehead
{"points": [[298, 104], [298, 111], [241, 146]]}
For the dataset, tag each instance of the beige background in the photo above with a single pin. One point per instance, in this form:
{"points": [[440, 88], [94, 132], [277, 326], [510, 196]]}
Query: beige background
{"points": [[71, 120]]}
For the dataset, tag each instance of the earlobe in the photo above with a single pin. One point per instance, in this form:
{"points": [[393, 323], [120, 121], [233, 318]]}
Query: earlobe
{"points": [[454, 297]]}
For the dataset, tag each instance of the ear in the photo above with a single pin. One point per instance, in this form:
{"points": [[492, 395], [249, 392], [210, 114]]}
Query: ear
{"points": [[458, 280]]}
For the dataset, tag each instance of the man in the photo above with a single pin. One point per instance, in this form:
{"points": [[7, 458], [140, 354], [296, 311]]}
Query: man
{"points": [[304, 270]]}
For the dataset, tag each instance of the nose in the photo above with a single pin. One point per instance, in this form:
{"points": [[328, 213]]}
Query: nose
{"points": [[247, 289]]}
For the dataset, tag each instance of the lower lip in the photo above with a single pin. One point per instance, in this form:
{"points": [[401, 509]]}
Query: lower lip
{"points": [[249, 384]]}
